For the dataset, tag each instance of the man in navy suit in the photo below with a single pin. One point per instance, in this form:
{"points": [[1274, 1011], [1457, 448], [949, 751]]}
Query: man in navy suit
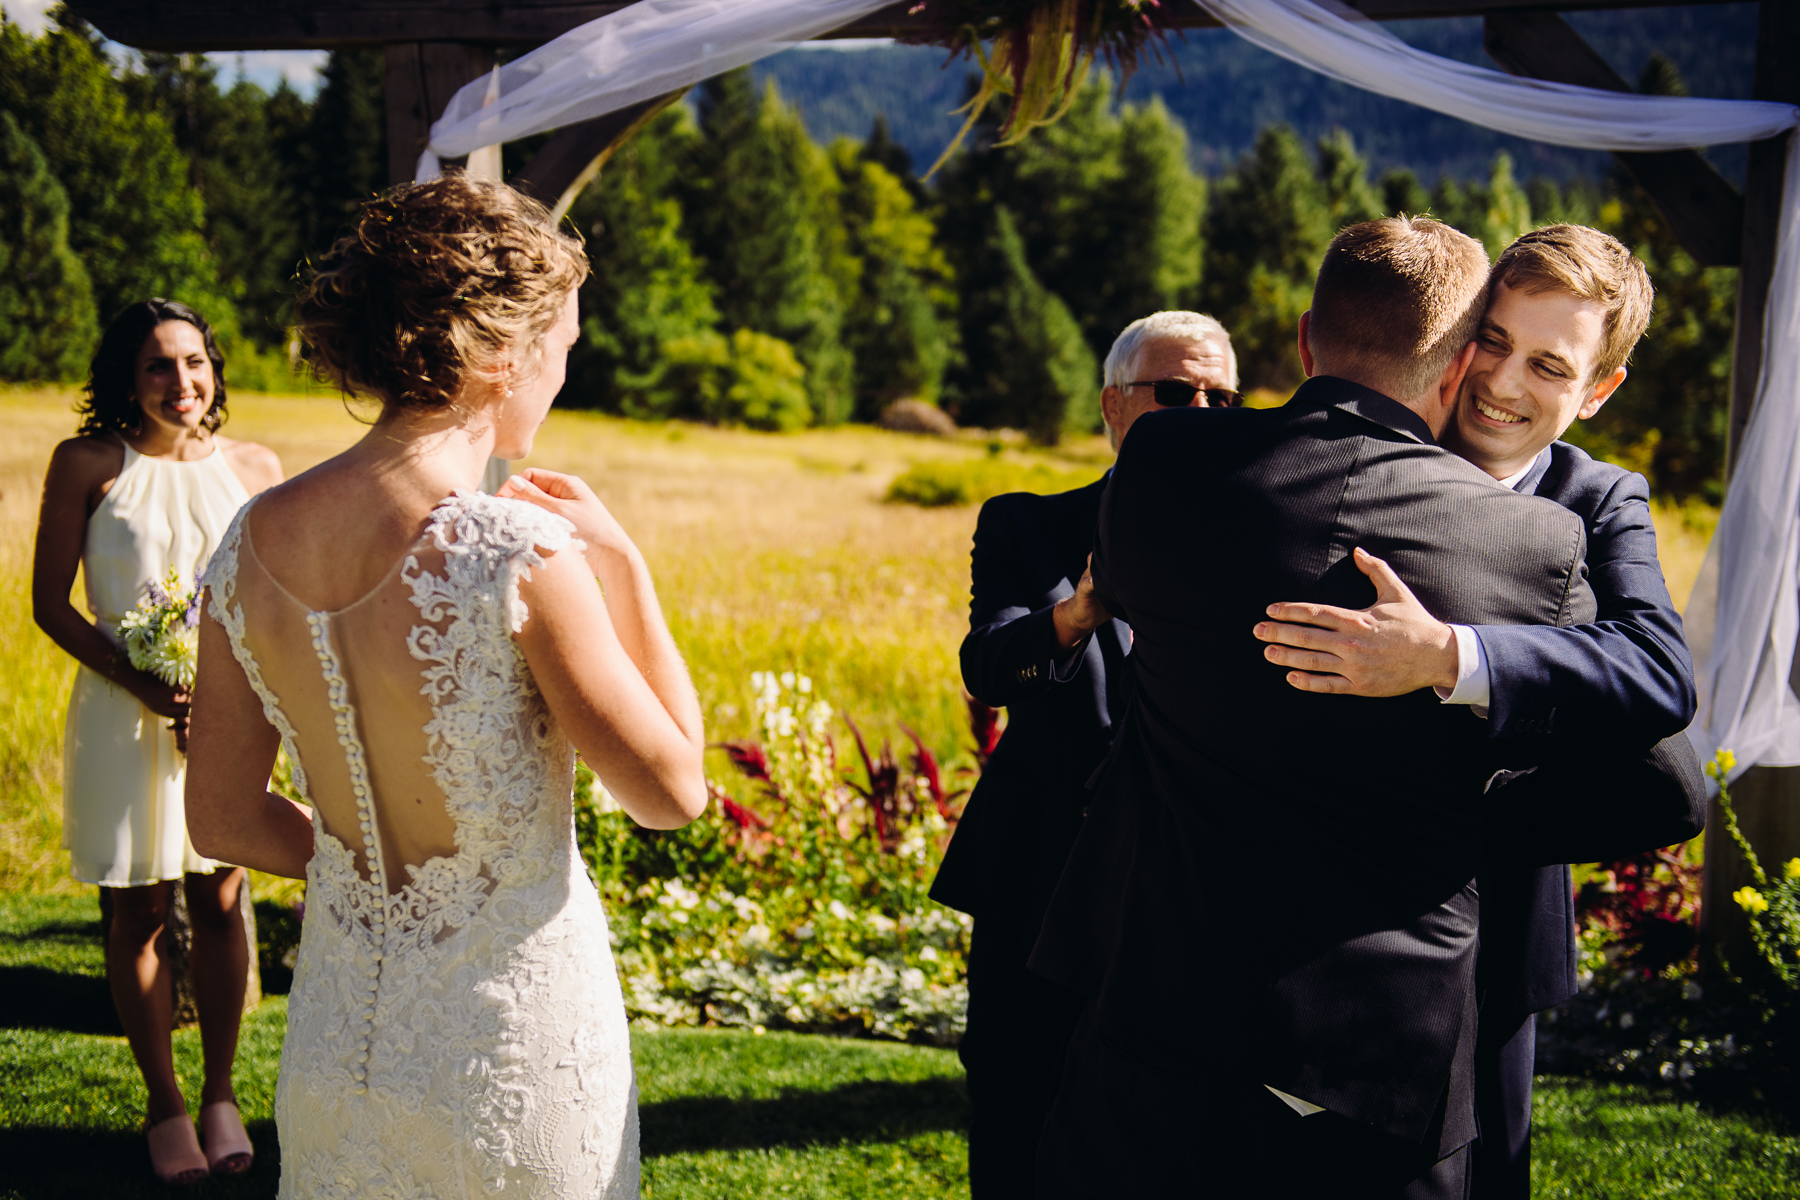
{"points": [[1566, 306], [1041, 646]]}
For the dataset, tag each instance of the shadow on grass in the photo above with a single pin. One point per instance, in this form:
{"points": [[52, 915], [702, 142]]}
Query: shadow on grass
{"points": [[878, 1111], [67, 933], [39, 998], [63, 1164]]}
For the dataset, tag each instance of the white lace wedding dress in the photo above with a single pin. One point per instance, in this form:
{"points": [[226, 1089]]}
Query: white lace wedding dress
{"points": [[455, 1026]]}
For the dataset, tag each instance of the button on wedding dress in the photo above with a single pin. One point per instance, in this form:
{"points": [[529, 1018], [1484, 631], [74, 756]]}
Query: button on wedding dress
{"points": [[455, 1026]]}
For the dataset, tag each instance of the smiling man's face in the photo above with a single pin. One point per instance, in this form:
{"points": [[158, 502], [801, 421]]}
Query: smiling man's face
{"points": [[1531, 379]]}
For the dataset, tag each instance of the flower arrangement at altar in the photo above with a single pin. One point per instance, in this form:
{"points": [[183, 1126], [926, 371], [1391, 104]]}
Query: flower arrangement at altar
{"points": [[799, 900], [162, 632], [1038, 52]]}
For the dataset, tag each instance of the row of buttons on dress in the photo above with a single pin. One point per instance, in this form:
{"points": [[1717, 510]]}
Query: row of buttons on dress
{"points": [[338, 693]]}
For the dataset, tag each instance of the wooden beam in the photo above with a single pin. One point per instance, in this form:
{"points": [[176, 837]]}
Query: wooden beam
{"points": [[1777, 50], [1767, 799], [421, 77], [1704, 211], [336, 24], [571, 159]]}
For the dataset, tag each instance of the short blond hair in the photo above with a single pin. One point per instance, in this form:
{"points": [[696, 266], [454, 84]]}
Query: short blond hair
{"points": [[1396, 300], [435, 284], [1590, 265]]}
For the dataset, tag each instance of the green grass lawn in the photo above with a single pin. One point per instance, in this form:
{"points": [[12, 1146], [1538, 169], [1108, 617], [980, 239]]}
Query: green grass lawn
{"points": [[723, 1114]]}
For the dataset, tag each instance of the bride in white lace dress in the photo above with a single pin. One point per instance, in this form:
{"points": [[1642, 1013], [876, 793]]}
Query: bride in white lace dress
{"points": [[429, 656]]}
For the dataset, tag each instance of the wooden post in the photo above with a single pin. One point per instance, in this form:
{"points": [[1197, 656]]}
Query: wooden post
{"points": [[421, 78], [1767, 799]]}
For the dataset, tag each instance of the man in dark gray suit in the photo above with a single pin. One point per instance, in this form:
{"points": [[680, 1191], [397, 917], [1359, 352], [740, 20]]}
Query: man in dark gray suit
{"points": [[1269, 906], [1040, 646]]}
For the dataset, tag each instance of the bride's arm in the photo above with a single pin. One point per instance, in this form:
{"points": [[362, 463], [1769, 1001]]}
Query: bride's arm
{"points": [[231, 814], [607, 665]]}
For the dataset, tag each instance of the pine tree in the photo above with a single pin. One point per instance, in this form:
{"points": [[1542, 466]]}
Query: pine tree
{"points": [[1266, 230], [342, 160], [896, 326], [1401, 192], [1105, 204], [253, 219], [1349, 198], [134, 222], [47, 321], [1153, 222], [647, 289], [762, 209], [1037, 372], [1668, 419], [882, 150], [1494, 213]]}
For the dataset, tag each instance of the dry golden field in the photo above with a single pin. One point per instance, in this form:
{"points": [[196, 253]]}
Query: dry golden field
{"points": [[769, 550]]}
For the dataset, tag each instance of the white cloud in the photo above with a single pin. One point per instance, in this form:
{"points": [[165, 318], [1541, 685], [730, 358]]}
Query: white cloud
{"points": [[33, 16], [267, 68], [845, 44]]}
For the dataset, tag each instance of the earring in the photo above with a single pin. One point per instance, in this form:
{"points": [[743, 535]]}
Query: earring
{"points": [[509, 393]]}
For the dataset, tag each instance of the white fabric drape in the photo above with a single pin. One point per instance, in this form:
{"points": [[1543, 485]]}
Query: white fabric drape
{"points": [[1744, 616], [649, 49]]}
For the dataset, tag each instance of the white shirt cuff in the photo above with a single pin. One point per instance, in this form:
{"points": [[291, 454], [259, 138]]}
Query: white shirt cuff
{"points": [[1472, 685], [1305, 1108]]}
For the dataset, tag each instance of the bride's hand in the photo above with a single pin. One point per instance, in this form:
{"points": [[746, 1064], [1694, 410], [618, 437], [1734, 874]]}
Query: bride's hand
{"points": [[569, 497]]}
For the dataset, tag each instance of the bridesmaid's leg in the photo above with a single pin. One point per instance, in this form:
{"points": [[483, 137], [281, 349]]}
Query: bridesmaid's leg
{"points": [[220, 964], [138, 973]]}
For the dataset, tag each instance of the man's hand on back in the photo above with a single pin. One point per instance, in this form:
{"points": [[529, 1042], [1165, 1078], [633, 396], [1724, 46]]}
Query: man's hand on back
{"points": [[1079, 615], [1388, 649]]}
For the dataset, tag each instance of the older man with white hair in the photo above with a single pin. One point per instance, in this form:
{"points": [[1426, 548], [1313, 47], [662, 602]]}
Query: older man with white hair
{"points": [[1040, 645]]}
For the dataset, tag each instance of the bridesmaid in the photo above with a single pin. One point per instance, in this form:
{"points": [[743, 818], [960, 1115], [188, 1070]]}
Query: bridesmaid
{"points": [[148, 484]]}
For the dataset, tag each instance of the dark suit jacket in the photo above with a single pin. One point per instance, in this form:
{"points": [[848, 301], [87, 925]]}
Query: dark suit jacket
{"points": [[1629, 668], [1277, 881], [1015, 834]]}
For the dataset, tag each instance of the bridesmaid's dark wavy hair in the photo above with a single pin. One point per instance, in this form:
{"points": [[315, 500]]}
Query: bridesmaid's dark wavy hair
{"points": [[111, 404]]}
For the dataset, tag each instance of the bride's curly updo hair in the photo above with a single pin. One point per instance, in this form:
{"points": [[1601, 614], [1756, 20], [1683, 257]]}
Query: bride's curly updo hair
{"points": [[435, 284]]}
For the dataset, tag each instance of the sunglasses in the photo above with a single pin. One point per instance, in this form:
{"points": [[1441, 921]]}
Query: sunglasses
{"points": [[1178, 393]]}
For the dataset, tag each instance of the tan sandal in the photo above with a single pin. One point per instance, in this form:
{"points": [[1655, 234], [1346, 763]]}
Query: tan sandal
{"points": [[228, 1148], [175, 1156]]}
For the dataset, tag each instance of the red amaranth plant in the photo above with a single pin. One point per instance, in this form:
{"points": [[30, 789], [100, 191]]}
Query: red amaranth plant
{"points": [[753, 763], [925, 766], [984, 723], [883, 789], [1648, 902], [741, 816]]}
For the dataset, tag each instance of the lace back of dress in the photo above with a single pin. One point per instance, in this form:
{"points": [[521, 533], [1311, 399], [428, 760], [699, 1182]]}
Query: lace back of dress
{"points": [[412, 722]]}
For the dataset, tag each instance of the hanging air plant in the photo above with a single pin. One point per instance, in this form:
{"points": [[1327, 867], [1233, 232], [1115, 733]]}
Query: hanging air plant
{"points": [[1038, 52]]}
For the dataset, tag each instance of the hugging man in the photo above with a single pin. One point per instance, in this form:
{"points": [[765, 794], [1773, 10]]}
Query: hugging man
{"points": [[1269, 907], [1566, 305]]}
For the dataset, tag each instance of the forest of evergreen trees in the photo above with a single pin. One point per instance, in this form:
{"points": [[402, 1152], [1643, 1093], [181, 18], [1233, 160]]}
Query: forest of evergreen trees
{"points": [[744, 273]]}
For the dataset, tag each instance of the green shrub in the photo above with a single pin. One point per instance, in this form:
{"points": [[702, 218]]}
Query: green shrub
{"points": [[939, 484], [749, 379]]}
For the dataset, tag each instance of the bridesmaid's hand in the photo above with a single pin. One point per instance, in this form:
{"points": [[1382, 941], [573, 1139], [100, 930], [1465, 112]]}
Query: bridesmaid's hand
{"points": [[165, 700], [569, 497]]}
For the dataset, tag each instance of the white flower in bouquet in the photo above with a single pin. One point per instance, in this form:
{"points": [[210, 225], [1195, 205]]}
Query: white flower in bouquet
{"points": [[162, 634]]}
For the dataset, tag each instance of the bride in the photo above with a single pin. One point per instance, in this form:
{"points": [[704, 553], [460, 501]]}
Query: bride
{"points": [[428, 656]]}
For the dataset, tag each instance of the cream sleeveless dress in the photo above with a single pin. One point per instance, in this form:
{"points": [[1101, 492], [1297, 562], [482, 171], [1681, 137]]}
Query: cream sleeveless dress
{"points": [[123, 820], [456, 1026]]}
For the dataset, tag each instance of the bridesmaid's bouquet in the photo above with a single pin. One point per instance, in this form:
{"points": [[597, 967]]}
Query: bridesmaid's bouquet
{"points": [[162, 634]]}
